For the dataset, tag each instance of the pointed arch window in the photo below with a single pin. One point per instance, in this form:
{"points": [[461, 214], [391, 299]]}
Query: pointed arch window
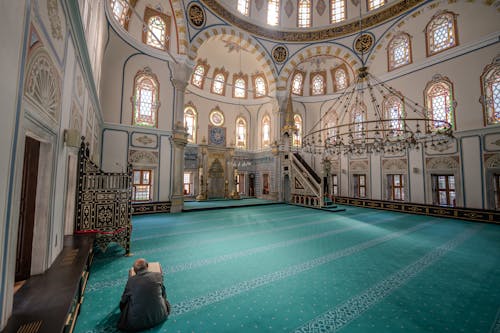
{"points": [[439, 102], [297, 135], [399, 51], [318, 83], [260, 86], [241, 133], [337, 11], [441, 33], [121, 12], [330, 121], [374, 4], [266, 131], [146, 99], [298, 83], [243, 7], [340, 78], [157, 32], [219, 82], [190, 122], [394, 112], [357, 120], [304, 13], [490, 86], [273, 12], [199, 74], [240, 85]]}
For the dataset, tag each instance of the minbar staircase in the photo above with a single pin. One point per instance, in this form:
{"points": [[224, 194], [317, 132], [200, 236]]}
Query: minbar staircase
{"points": [[306, 185]]}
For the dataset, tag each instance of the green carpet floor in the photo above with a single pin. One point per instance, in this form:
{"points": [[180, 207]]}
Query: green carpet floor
{"points": [[282, 268]]}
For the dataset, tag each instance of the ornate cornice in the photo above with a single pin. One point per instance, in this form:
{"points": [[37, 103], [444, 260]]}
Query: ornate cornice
{"points": [[310, 35]]}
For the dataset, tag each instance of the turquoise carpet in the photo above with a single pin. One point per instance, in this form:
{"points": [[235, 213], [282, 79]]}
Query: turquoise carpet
{"points": [[282, 268], [193, 205]]}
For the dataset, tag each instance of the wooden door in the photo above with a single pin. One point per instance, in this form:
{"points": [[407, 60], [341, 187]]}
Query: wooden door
{"points": [[27, 209]]}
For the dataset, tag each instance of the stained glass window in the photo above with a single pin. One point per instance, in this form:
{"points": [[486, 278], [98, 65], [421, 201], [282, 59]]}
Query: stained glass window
{"points": [[441, 33], [297, 83], [394, 112], [156, 34], [198, 76], [218, 83], [266, 131], [120, 10], [240, 88], [273, 10], [241, 133], [439, 103], [297, 136], [304, 14], [374, 4], [190, 116], [145, 100], [243, 7], [318, 84], [337, 13], [399, 51], [491, 94], [357, 119], [260, 86], [341, 81]]}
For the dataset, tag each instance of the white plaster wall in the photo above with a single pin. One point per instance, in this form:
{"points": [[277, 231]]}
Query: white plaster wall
{"points": [[472, 172], [115, 151], [12, 15], [416, 176], [376, 180]]}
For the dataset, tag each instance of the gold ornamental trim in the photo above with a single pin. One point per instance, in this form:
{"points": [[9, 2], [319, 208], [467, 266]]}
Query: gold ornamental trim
{"points": [[310, 34]]}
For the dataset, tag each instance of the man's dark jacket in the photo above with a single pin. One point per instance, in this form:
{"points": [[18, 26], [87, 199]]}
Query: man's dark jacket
{"points": [[144, 302]]}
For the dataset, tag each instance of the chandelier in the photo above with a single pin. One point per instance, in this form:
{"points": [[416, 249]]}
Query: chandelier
{"points": [[371, 126]]}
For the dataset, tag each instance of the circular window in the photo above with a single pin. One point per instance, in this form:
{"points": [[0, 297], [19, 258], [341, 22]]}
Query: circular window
{"points": [[216, 118]]}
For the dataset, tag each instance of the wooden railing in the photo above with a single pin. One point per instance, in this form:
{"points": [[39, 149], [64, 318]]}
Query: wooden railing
{"points": [[103, 203]]}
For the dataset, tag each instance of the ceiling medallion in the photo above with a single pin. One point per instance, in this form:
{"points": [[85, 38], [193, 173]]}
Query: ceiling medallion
{"points": [[196, 15], [289, 8], [320, 7], [258, 4], [280, 54], [363, 43]]}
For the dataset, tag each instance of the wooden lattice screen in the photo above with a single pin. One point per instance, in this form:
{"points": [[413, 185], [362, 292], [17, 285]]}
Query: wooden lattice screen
{"points": [[103, 203]]}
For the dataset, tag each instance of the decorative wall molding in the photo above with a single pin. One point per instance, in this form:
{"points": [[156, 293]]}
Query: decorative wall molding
{"points": [[442, 163], [361, 165], [143, 157], [395, 165], [491, 161]]}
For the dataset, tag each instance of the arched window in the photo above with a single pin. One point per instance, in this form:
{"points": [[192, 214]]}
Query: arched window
{"points": [[145, 100], [260, 86], [439, 102], [441, 33], [304, 13], [340, 78], [297, 136], [298, 83], [156, 32], [219, 82], [394, 112], [399, 51], [241, 133], [199, 74], [357, 120], [318, 83], [121, 12], [240, 85], [266, 131], [190, 120], [243, 7], [374, 4], [337, 11], [273, 12], [490, 86], [330, 120]]}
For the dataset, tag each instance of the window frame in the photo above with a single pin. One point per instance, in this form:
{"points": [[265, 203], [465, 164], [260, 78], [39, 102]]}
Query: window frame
{"points": [[150, 184], [436, 191], [359, 186], [297, 134], [225, 74], [390, 54], [308, 19], [146, 74], [241, 118], [244, 77], [440, 80], [335, 184], [247, 7], [332, 13], [393, 186], [277, 5], [150, 13], [266, 188], [428, 50], [312, 76], [402, 115], [370, 8], [303, 74], [254, 82], [124, 15], [206, 67], [263, 122], [195, 122], [334, 78], [489, 111]]}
